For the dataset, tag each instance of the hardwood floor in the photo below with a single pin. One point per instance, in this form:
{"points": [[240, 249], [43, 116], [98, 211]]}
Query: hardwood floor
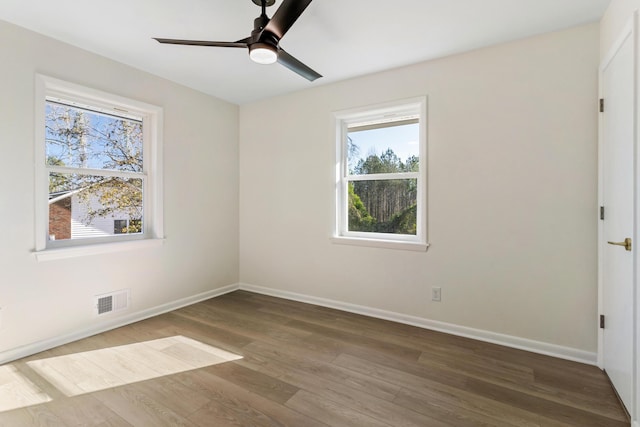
{"points": [[301, 365]]}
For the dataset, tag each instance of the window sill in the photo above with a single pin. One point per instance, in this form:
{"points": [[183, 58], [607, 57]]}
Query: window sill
{"points": [[385, 244], [95, 249]]}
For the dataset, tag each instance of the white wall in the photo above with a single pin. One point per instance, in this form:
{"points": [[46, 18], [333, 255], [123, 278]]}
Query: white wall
{"points": [[42, 300], [512, 192], [617, 16]]}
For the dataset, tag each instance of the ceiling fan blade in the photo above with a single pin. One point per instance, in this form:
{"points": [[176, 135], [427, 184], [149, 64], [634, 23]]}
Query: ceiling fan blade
{"points": [[240, 43], [288, 12], [296, 66]]}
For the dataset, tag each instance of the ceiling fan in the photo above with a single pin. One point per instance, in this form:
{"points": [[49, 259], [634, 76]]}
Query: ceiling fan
{"points": [[264, 41]]}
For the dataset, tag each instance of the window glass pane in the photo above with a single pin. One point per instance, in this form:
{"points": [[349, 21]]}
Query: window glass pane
{"points": [[83, 138], [84, 206], [383, 148], [127, 226], [119, 226], [383, 206]]}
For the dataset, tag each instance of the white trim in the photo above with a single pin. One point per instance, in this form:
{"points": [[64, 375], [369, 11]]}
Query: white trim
{"points": [[95, 249], [97, 172], [41, 224], [539, 347], [383, 176], [600, 332], [378, 243], [629, 30], [634, 411], [33, 348], [151, 176], [478, 334], [626, 32], [379, 112]]}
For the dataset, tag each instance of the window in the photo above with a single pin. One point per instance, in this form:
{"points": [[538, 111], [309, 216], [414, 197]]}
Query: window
{"points": [[381, 175], [127, 226], [98, 164]]}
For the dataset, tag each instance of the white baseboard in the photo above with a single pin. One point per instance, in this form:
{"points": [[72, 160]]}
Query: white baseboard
{"points": [[463, 331], [540, 347], [29, 349]]}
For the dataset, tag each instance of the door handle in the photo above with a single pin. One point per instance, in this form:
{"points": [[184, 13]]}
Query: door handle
{"points": [[626, 243]]}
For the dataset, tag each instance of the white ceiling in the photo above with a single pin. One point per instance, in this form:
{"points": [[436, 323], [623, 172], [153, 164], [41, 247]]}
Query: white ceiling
{"points": [[338, 38]]}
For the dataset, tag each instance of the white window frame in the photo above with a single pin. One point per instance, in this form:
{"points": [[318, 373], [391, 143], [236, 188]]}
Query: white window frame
{"points": [[380, 113], [153, 231]]}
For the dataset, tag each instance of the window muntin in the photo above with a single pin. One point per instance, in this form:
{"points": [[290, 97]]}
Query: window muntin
{"points": [[98, 159], [381, 182]]}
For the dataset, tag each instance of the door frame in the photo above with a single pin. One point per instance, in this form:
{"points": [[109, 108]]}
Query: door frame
{"points": [[629, 30]]}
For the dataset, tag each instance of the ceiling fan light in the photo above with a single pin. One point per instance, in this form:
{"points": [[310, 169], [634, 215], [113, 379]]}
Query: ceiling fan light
{"points": [[263, 53]]}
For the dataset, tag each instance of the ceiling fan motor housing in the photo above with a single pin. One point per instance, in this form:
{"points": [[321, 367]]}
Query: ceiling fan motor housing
{"points": [[263, 47]]}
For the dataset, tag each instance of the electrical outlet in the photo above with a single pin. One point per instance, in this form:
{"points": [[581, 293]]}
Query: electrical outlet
{"points": [[436, 293]]}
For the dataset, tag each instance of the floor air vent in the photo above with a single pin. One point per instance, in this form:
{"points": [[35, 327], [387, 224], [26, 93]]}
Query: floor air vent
{"points": [[114, 301]]}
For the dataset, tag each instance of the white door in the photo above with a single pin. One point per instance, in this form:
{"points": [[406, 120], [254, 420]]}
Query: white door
{"points": [[617, 150]]}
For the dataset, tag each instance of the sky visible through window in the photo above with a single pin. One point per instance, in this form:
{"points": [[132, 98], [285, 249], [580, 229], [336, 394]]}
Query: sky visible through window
{"points": [[81, 138], [403, 140]]}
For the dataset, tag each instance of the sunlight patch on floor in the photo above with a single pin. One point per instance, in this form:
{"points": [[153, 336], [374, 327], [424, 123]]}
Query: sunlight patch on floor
{"points": [[95, 370], [16, 391]]}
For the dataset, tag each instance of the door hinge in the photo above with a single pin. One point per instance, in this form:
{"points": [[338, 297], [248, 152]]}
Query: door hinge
{"points": [[602, 321], [602, 105], [602, 213]]}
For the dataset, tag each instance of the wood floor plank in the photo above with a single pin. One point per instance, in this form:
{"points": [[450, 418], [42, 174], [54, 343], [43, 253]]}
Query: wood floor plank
{"points": [[452, 409], [263, 355], [234, 405], [274, 362], [478, 368], [588, 381], [453, 397], [585, 398], [218, 414], [341, 392], [85, 410], [173, 394], [332, 413], [74, 375], [315, 351], [206, 333], [38, 381], [16, 391], [548, 407], [139, 409], [575, 400], [243, 325], [259, 383], [376, 344], [33, 416]]}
